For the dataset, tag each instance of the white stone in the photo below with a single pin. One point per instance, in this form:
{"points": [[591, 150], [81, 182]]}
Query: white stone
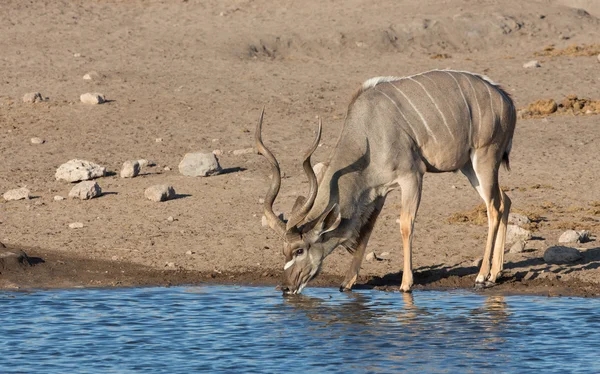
{"points": [[518, 219], [170, 264], [166, 168], [170, 219], [79, 170], [199, 164], [33, 97], [17, 194], [58, 198], [515, 233], [159, 192], [158, 140], [318, 169], [261, 200], [92, 98], [218, 152], [264, 222], [371, 256], [245, 151], [531, 64], [76, 225], [37, 141], [569, 236], [130, 169], [572, 236], [92, 75], [518, 247], [561, 255], [85, 190], [384, 255]]}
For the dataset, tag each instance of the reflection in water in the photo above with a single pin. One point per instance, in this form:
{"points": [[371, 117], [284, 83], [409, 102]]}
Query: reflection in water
{"points": [[232, 329]]}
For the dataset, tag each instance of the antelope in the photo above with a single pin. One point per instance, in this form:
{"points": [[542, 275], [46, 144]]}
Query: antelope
{"points": [[396, 129]]}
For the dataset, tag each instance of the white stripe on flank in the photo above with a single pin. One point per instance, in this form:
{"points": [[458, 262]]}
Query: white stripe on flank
{"points": [[436, 106], [466, 104], [403, 116], [476, 100], [449, 106], [416, 110]]}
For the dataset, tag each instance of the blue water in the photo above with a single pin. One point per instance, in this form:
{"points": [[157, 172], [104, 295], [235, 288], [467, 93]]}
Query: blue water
{"points": [[256, 330]]}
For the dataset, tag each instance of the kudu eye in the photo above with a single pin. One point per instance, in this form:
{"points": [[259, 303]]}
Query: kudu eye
{"points": [[299, 251]]}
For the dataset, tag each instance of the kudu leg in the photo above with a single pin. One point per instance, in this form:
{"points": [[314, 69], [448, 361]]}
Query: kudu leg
{"points": [[359, 250], [498, 256], [483, 175], [411, 197]]}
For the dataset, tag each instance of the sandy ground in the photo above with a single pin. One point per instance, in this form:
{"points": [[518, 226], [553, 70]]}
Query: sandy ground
{"points": [[196, 73]]}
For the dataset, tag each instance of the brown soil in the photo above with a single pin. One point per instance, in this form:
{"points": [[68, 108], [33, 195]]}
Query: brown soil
{"points": [[572, 51], [196, 74]]}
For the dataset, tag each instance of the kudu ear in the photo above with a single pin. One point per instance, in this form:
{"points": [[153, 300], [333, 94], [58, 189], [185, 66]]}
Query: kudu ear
{"points": [[329, 221]]}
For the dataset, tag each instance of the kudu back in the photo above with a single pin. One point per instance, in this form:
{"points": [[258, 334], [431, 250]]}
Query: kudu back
{"points": [[397, 129]]}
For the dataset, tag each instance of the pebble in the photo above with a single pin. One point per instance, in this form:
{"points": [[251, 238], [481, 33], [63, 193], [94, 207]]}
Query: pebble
{"points": [[130, 169], [561, 255], [572, 236], [245, 151], [158, 140], [518, 247], [170, 219], [518, 219], [92, 98], [261, 200], [37, 141], [85, 190], [170, 264], [218, 152], [532, 64], [515, 233], [159, 192], [189, 253], [92, 75], [384, 255], [17, 194], [199, 164], [166, 168], [33, 97], [76, 225], [79, 170], [58, 198]]}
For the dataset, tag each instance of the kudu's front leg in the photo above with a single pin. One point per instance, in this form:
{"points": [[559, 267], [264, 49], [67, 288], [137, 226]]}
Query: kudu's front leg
{"points": [[411, 197], [361, 245]]}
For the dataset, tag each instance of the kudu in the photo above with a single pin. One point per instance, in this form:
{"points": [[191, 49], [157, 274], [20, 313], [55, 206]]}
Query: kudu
{"points": [[395, 130]]}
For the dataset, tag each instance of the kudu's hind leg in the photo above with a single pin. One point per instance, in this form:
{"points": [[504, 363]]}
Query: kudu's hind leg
{"points": [[483, 175], [498, 256], [359, 250], [411, 197]]}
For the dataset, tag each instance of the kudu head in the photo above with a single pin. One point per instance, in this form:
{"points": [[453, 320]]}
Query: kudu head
{"points": [[303, 245]]}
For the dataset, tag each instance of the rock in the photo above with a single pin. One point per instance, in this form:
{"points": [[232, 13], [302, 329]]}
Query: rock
{"points": [[170, 264], [384, 255], [518, 247], [166, 168], [572, 236], [189, 253], [37, 141], [92, 98], [318, 169], [170, 219], [92, 75], [245, 151], [218, 152], [532, 64], [371, 256], [76, 225], [143, 162], [261, 200], [518, 219], [33, 97], [561, 255], [13, 259], [158, 140], [159, 192], [58, 198], [130, 169], [199, 164], [79, 170], [515, 233], [17, 194], [85, 190], [264, 222]]}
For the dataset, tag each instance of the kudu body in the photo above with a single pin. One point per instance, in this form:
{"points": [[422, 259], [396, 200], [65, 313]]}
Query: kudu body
{"points": [[396, 130]]}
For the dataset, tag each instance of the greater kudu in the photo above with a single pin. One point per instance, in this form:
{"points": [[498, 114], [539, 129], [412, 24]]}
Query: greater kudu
{"points": [[395, 130]]}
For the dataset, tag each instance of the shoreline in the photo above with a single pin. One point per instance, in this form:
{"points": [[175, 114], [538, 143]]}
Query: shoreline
{"points": [[56, 270]]}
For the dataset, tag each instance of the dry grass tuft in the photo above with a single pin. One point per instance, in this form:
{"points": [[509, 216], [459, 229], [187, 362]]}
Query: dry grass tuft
{"points": [[573, 50], [476, 216]]}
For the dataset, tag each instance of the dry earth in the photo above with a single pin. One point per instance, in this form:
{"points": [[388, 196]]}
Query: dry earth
{"points": [[196, 73]]}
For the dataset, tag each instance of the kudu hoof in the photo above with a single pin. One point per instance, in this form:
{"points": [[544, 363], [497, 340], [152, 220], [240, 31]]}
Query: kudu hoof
{"points": [[484, 285], [345, 289]]}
